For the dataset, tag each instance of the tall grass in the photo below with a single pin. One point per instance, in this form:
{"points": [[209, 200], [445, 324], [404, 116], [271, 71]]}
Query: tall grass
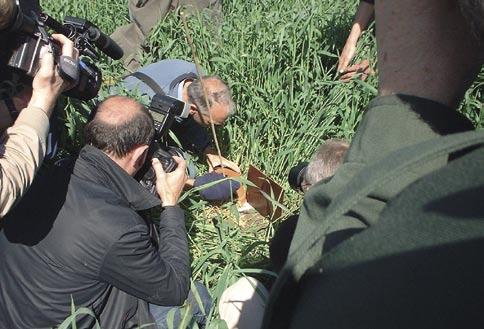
{"points": [[279, 58]]}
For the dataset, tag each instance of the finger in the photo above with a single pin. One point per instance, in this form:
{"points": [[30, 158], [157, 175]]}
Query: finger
{"points": [[44, 50], [344, 61], [158, 168], [347, 77], [46, 62], [346, 56], [341, 65], [352, 68], [181, 163], [67, 45], [210, 164], [348, 74]]}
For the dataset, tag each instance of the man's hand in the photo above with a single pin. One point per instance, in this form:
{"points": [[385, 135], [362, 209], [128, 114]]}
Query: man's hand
{"points": [[169, 186], [362, 17], [213, 161], [362, 68], [347, 54], [47, 84]]}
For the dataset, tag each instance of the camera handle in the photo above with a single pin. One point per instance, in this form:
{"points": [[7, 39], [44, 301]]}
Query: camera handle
{"points": [[67, 67]]}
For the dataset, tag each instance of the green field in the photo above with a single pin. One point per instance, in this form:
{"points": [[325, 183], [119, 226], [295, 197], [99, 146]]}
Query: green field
{"points": [[279, 57]]}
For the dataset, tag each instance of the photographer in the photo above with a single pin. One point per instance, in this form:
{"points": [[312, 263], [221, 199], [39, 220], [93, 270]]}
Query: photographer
{"points": [[323, 165], [87, 241], [248, 294], [23, 145]]}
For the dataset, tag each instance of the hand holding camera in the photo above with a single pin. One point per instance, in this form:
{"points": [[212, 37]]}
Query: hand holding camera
{"points": [[169, 186], [47, 84], [25, 34]]}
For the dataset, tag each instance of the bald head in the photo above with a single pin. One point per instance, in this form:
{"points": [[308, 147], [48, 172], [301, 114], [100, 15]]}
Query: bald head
{"points": [[120, 124], [117, 110]]}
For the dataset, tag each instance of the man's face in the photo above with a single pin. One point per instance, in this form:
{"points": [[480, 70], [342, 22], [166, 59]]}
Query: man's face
{"points": [[219, 115]]}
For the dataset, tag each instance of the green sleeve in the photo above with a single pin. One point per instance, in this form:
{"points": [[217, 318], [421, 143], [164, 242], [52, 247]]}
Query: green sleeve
{"points": [[391, 123]]}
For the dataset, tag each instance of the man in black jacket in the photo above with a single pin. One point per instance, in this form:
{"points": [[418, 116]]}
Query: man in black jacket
{"points": [[77, 236]]}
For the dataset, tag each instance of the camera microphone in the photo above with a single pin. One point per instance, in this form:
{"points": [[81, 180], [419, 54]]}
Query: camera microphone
{"points": [[94, 35], [105, 43]]}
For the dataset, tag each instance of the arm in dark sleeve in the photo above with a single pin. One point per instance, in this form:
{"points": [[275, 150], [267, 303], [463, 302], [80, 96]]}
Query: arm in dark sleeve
{"points": [[191, 135], [157, 275]]}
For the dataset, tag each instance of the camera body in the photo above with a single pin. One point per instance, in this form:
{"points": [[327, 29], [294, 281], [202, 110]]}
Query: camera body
{"points": [[27, 34], [163, 109], [165, 155]]}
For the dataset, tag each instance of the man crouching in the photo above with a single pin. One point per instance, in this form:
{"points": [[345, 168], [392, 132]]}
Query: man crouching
{"points": [[77, 235]]}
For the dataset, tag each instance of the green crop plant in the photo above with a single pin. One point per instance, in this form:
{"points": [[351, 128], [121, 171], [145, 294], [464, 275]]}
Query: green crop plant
{"points": [[279, 57]]}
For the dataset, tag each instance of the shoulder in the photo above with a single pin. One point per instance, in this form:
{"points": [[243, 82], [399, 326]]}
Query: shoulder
{"points": [[111, 214], [169, 65]]}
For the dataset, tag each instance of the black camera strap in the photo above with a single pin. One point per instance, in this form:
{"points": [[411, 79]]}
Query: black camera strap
{"points": [[147, 80], [183, 77]]}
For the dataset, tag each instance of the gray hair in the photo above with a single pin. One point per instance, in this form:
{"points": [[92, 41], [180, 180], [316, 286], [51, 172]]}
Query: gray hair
{"points": [[219, 95], [326, 160]]}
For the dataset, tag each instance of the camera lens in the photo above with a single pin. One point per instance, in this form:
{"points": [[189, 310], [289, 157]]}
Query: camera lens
{"points": [[296, 176]]}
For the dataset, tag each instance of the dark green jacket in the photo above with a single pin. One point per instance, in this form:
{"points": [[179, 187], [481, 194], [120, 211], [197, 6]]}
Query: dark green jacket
{"points": [[392, 123]]}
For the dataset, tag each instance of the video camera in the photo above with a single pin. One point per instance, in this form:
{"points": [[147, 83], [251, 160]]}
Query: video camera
{"points": [[26, 34], [163, 109]]}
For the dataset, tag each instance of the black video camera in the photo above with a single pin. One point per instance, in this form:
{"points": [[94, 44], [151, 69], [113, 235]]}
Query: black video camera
{"points": [[26, 34], [163, 109]]}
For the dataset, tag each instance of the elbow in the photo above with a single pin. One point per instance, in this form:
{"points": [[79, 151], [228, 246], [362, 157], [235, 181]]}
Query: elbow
{"points": [[181, 291], [172, 293]]}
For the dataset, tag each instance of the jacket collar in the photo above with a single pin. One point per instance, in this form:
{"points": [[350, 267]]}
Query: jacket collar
{"points": [[442, 119], [95, 166]]}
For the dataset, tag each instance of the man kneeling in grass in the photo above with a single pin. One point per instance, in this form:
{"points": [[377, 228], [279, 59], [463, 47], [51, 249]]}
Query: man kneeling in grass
{"points": [[77, 236]]}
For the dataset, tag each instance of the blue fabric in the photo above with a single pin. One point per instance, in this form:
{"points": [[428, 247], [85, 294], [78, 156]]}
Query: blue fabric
{"points": [[218, 192], [191, 135], [164, 73], [199, 315], [52, 138]]}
